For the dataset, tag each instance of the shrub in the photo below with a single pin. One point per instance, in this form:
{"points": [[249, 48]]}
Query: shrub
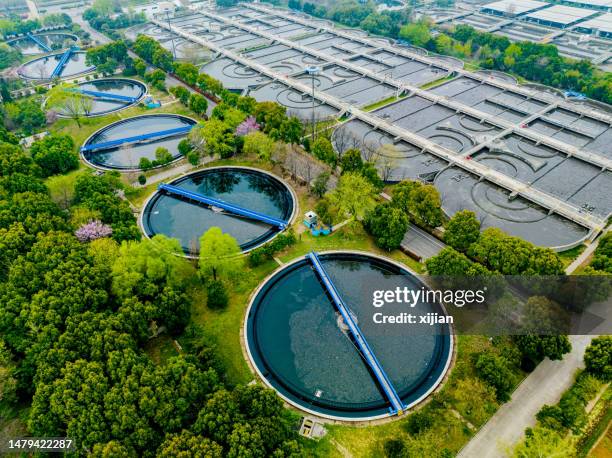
{"points": [[264, 253], [193, 157], [598, 358], [418, 422], [494, 370], [217, 295], [145, 164], [394, 448], [184, 147], [142, 179]]}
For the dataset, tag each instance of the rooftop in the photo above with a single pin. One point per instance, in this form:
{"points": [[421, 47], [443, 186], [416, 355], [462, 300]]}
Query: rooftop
{"points": [[559, 14], [594, 3], [602, 23], [515, 7]]}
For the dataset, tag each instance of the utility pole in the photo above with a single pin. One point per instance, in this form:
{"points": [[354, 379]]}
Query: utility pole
{"points": [[313, 71], [171, 34]]}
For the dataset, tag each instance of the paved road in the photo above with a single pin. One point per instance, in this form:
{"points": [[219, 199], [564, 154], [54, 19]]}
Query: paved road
{"points": [[585, 254], [543, 386], [421, 243]]}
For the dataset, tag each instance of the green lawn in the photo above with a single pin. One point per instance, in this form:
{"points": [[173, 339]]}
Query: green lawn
{"points": [[379, 104], [567, 257]]}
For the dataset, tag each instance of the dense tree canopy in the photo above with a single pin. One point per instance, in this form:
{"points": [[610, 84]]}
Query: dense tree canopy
{"points": [[55, 154], [387, 224], [598, 357], [421, 201], [513, 256], [462, 230]]}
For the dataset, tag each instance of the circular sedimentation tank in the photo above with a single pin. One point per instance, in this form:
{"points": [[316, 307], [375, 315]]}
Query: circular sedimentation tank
{"points": [[41, 69], [112, 86], [186, 221], [126, 157], [300, 346], [54, 40]]}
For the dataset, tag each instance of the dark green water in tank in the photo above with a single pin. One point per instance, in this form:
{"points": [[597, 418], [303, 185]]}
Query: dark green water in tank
{"points": [[187, 221], [302, 348]]}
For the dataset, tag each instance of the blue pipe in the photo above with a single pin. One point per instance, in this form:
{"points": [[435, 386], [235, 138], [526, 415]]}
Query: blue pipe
{"points": [[282, 224], [381, 376], [135, 139]]}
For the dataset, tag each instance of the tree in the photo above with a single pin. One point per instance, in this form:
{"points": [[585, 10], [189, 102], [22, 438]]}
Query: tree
{"points": [[187, 444], [291, 130], [219, 254], [198, 104], [394, 448], [92, 231], [354, 195], [156, 78], [26, 114], [14, 160], [217, 295], [187, 72], [425, 205], [270, 115], [55, 154], [462, 230], [513, 256], [598, 358], [418, 423], [162, 156], [215, 137], [387, 224], [8, 56], [258, 143], [181, 93], [323, 150], [494, 370], [319, 185], [543, 442], [144, 268], [247, 126], [351, 161], [66, 99], [416, 33], [420, 201]]}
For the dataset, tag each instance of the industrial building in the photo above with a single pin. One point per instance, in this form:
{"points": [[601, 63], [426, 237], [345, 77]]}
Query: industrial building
{"points": [[513, 8], [560, 16], [601, 5], [600, 26]]}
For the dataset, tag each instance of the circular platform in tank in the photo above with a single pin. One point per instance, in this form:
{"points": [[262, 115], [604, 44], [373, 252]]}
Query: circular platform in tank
{"points": [[300, 346], [41, 69], [186, 221], [54, 40], [101, 105], [126, 157]]}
